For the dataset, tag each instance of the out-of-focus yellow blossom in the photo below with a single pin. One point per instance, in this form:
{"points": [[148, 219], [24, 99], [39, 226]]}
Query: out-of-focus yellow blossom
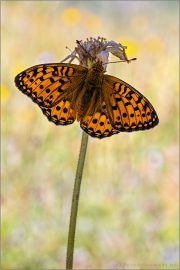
{"points": [[5, 94], [71, 16], [93, 23], [155, 45], [132, 47], [27, 114], [16, 69]]}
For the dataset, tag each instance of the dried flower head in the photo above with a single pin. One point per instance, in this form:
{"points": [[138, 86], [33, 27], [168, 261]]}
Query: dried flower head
{"points": [[92, 50]]}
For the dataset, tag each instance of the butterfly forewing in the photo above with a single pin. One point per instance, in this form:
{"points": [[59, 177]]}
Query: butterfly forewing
{"points": [[46, 83], [52, 87]]}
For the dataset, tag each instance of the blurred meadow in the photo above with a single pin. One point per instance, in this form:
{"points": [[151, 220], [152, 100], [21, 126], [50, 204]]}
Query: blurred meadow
{"points": [[128, 211]]}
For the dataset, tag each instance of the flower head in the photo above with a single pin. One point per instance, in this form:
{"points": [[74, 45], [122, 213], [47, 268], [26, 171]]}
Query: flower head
{"points": [[92, 50]]}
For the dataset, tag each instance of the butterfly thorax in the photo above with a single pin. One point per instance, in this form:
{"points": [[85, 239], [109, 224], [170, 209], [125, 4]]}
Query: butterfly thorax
{"points": [[98, 67], [90, 95]]}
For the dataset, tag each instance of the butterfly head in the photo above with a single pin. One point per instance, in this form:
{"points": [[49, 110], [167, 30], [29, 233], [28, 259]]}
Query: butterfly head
{"points": [[98, 66]]}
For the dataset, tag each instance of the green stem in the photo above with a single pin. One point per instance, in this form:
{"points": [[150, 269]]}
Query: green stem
{"points": [[75, 201]]}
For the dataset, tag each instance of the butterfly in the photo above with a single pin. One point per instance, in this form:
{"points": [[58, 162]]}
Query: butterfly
{"points": [[104, 105]]}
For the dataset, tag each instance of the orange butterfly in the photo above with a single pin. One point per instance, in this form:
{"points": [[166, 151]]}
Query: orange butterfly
{"points": [[104, 105]]}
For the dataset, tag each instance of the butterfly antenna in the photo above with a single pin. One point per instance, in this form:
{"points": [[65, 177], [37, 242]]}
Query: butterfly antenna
{"points": [[79, 43], [69, 49], [121, 61]]}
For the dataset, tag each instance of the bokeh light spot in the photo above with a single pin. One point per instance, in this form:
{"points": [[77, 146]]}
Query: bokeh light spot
{"points": [[27, 114], [16, 69], [132, 47], [155, 45], [5, 94], [93, 23], [71, 16]]}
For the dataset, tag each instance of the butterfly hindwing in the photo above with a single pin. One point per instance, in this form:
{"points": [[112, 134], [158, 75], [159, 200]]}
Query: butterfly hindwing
{"points": [[98, 125], [60, 114], [128, 109]]}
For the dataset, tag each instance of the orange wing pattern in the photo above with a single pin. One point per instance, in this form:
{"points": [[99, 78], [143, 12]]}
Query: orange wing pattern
{"points": [[98, 125], [52, 87], [114, 107], [123, 109], [128, 109], [60, 114]]}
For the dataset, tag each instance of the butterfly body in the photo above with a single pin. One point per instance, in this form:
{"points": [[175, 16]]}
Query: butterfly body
{"points": [[104, 105], [89, 97]]}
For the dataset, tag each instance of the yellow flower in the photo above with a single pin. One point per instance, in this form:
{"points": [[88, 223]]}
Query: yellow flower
{"points": [[5, 94], [132, 46], [155, 45], [93, 23], [71, 16]]}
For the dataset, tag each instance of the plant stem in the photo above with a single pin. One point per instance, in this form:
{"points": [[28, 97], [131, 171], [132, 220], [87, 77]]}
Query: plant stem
{"points": [[75, 201]]}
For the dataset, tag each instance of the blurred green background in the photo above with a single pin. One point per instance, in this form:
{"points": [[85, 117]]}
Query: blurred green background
{"points": [[128, 212]]}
